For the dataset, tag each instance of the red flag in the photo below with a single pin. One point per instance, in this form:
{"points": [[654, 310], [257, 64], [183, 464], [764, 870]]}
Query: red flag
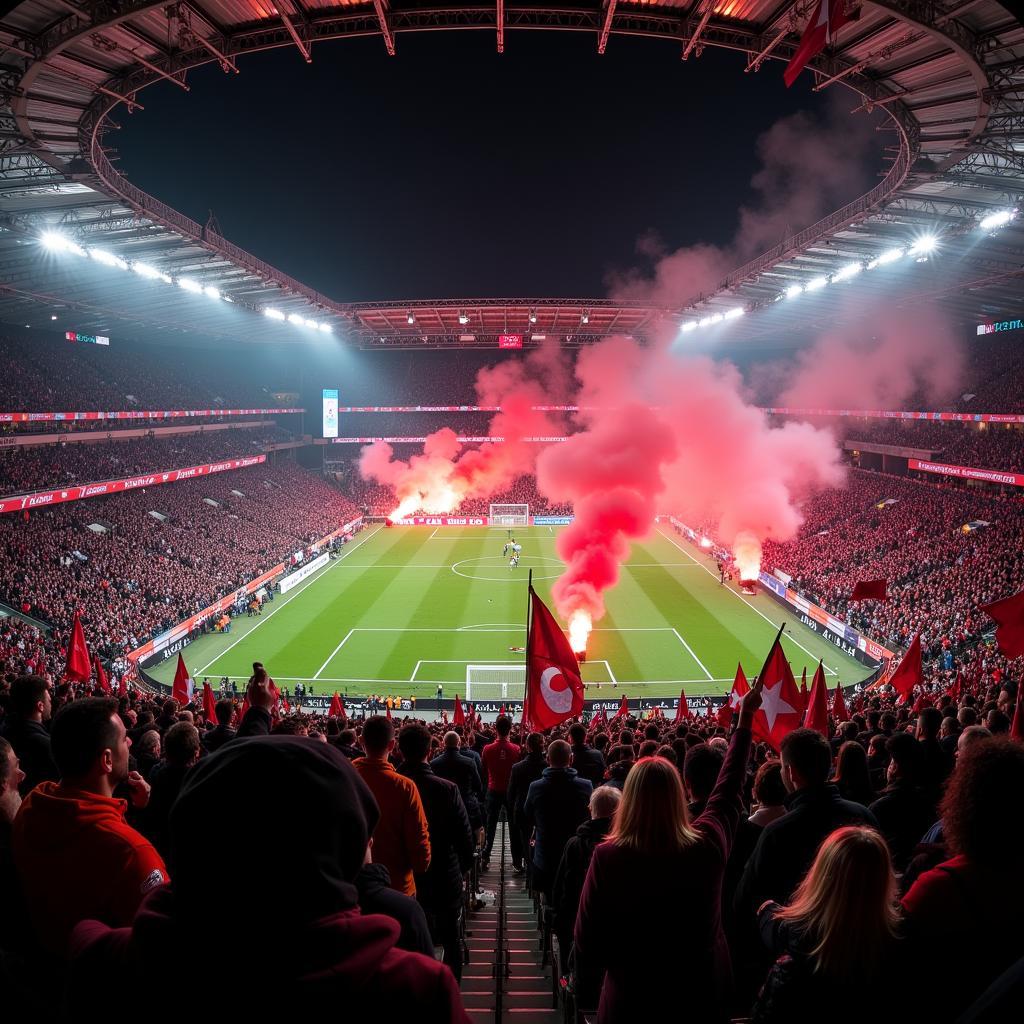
{"points": [[335, 710], [78, 666], [1009, 616], [623, 711], [870, 590], [839, 712], [459, 718], [957, 689], [342, 717], [682, 710], [101, 677], [827, 18], [554, 688], [184, 685], [501, 710], [122, 684], [817, 706], [804, 696], [779, 713], [244, 710], [909, 673], [740, 686], [209, 704], [387, 714]]}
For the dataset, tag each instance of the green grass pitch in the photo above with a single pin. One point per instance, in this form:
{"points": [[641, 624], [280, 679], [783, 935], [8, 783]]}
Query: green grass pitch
{"points": [[406, 609]]}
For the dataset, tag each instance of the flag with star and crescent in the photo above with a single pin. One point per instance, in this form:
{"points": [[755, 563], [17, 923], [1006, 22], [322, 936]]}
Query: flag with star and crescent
{"points": [[554, 688], [780, 711]]}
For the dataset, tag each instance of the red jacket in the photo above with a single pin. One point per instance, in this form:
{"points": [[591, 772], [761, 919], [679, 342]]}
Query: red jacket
{"points": [[499, 758], [347, 960], [77, 859]]}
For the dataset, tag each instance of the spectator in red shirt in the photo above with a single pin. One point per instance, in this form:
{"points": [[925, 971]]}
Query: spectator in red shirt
{"points": [[499, 758], [75, 854]]}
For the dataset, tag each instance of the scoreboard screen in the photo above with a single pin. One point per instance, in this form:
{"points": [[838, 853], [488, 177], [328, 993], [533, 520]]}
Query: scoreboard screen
{"points": [[330, 412]]}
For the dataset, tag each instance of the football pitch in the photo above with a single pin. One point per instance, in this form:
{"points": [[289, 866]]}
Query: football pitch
{"points": [[405, 610]]}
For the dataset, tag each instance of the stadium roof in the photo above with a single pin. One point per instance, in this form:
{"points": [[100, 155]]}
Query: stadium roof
{"points": [[949, 75]]}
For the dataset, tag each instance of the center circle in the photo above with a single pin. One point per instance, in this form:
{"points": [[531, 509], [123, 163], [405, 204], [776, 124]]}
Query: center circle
{"points": [[498, 566]]}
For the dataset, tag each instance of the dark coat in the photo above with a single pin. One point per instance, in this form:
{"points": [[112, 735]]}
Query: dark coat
{"points": [[166, 781], [636, 942], [556, 805], [451, 838], [461, 769], [787, 846], [904, 814], [377, 897], [31, 743], [589, 764], [524, 774], [217, 737], [572, 873]]}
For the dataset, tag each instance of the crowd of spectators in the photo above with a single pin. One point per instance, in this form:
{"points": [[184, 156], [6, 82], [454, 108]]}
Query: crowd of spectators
{"points": [[913, 535], [133, 573], [785, 880]]}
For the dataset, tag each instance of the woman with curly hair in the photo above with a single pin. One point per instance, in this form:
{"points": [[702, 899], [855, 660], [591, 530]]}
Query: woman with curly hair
{"points": [[837, 940], [967, 912]]}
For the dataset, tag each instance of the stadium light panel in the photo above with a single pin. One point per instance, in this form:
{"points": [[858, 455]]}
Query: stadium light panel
{"points": [[733, 313], [690, 325], [54, 241], [793, 291], [151, 273], [108, 259], [585, 318], [274, 314], [53, 316], [463, 319], [997, 220], [816, 282], [533, 317], [923, 246], [311, 323], [410, 319], [294, 318], [326, 328], [214, 293], [889, 256], [845, 273], [190, 286]]}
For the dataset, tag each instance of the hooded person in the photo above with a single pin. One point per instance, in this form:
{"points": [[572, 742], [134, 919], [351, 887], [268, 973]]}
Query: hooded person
{"points": [[268, 804]]}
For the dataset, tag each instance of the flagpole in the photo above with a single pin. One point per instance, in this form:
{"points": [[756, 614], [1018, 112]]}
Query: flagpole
{"points": [[778, 637], [526, 652]]}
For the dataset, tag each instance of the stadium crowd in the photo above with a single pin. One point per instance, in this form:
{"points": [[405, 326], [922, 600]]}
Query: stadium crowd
{"points": [[836, 871]]}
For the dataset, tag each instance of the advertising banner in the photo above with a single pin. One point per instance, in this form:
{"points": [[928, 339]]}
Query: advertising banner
{"points": [[993, 476], [441, 521], [295, 578], [552, 520], [40, 499], [420, 440], [330, 404], [883, 414], [134, 414]]}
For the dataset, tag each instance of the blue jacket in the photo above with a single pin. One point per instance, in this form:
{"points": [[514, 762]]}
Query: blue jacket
{"points": [[556, 805]]}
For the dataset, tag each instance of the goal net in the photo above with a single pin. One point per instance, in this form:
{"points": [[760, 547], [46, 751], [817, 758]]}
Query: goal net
{"points": [[510, 515], [495, 682]]}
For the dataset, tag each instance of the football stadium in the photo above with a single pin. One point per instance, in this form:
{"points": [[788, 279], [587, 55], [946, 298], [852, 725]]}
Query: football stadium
{"points": [[512, 512]]}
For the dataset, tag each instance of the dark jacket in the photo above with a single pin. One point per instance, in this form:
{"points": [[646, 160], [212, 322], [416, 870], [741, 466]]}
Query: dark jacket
{"points": [[556, 805], [451, 838], [572, 873], [31, 743], [377, 897], [524, 774], [617, 773], [216, 737], [463, 771], [589, 764], [636, 942], [904, 814], [166, 781], [794, 993], [787, 846]]}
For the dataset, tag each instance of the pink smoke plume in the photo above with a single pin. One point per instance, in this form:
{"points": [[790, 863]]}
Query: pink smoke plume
{"points": [[895, 357], [809, 166], [672, 434], [447, 473]]}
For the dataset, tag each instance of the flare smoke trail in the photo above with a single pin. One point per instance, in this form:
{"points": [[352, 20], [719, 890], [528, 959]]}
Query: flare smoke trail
{"points": [[672, 433], [445, 474]]}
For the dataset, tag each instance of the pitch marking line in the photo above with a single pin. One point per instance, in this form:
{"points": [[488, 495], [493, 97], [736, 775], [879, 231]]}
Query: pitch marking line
{"points": [[333, 653], [786, 636], [294, 594], [491, 661], [399, 682], [703, 667]]}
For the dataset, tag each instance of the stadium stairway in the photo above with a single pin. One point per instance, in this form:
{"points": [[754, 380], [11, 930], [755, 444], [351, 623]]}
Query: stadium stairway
{"points": [[504, 980]]}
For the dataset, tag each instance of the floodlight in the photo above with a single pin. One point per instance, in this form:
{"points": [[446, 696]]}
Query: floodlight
{"points": [[733, 313], [816, 282], [997, 219], [190, 286], [213, 293], [326, 328], [845, 273], [294, 318], [690, 325], [108, 259], [274, 314], [793, 291]]}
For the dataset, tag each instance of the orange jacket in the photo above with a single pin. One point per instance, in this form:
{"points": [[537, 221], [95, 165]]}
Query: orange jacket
{"points": [[401, 841], [78, 859]]}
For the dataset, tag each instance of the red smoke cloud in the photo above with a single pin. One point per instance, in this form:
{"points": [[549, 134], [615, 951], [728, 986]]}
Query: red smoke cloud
{"points": [[671, 434], [445, 474]]}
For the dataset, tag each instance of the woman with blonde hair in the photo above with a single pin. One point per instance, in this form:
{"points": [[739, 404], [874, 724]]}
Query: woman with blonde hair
{"points": [[837, 942], [638, 944]]}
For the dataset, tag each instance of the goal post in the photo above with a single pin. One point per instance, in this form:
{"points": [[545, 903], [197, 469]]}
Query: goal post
{"points": [[495, 682], [509, 515]]}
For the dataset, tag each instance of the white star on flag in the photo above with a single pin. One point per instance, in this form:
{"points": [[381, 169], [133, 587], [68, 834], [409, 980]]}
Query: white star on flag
{"points": [[773, 705]]}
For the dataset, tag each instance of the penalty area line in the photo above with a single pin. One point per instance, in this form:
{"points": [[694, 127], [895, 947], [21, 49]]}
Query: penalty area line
{"points": [[703, 667], [333, 653]]}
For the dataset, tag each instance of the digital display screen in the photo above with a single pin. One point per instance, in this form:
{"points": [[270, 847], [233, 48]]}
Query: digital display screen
{"points": [[86, 339], [330, 412], [1000, 325], [510, 341]]}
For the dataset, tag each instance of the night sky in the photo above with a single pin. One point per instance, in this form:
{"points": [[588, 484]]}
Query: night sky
{"points": [[452, 171]]}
